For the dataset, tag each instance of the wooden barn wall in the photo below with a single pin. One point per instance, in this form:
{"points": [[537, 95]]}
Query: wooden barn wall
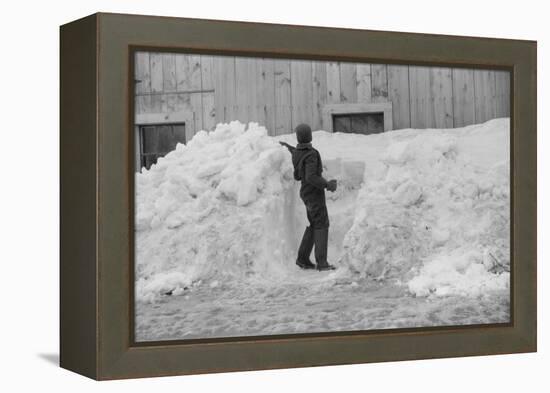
{"points": [[205, 90]]}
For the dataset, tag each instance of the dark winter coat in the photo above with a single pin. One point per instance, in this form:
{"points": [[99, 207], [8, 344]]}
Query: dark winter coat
{"points": [[308, 168]]}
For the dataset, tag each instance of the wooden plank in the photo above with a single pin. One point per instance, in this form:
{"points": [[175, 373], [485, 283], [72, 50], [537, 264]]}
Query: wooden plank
{"points": [[251, 88], [364, 86], [245, 81], [319, 93], [441, 86], [502, 82], [143, 73], [208, 98], [143, 104], [379, 83], [224, 86], [157, 102], [333, 83], [283, 117], [188, 72], [169, 72], [157, 78], [169, 103], [146, 103], [420, 103], [196, 105], [431, 97], [463, 97], [208, 111], [398, 94], [265, 93], [348, 82], [301, 92], [207, 72], [173, 117], [241, 70], [485, 95], [183, 106], [186, 113]]}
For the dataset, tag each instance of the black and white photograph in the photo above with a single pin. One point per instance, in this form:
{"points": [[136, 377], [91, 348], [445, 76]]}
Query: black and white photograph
{"points": [[295, 196], [275, 197]]}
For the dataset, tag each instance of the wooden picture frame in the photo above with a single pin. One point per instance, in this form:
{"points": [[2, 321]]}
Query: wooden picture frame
{"points": [[97, 128]]}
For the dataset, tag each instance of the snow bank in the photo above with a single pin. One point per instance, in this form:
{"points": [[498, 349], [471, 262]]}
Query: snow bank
{"points": [[429, 208], [437, 215], [216, 207]]}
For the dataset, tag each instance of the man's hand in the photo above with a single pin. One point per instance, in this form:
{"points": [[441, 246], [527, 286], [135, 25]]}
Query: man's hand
{"points": [[331, 185], [289, 147]]}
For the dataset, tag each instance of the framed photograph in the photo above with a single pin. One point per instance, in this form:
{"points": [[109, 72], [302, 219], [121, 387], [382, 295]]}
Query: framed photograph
{"points": [[242, 196]]}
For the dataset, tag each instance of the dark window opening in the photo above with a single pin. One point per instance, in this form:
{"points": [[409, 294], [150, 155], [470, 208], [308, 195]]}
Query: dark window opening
{"points": [[158, 140], [359, 123]]}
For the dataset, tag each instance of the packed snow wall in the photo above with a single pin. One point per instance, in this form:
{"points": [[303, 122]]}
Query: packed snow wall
{"points": [[436, 214], [213, 209], [427, 208]]}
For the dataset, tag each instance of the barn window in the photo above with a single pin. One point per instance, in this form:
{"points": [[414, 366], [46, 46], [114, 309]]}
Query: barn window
{"points": [[157, 140], [360, 118], [359, 123]]}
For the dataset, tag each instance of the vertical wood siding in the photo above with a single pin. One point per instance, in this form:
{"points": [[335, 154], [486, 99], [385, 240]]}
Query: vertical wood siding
{"points": [[207, 94], [224, 88], [169, 80], [431, 97], [319, 93], [364, 83], [301, 88], [379, 83], [265, 93], [205, 90], [503, 99], [484, 95], [399, 95], [348, 82], [463, 97], [283, 103], [333, 83]]}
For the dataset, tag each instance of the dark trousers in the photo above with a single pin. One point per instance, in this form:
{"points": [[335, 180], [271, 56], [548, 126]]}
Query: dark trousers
{"points": [[317, 213], [316, 233]]}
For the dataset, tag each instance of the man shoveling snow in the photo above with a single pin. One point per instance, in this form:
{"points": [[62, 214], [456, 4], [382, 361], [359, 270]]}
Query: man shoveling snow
{"points": [[308, 169]]}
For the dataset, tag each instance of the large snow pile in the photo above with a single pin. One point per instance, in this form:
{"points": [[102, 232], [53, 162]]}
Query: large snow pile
{"points": [[215, 208], [436, 215], [428, 208]]}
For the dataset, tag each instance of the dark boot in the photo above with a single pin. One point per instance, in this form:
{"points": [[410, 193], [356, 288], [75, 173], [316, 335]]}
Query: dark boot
{"points": [[321, 246], [305, 250]]}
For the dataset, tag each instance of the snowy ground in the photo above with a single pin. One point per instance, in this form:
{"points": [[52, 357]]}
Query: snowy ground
{"points": [[227, 311], [419, 232]]}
